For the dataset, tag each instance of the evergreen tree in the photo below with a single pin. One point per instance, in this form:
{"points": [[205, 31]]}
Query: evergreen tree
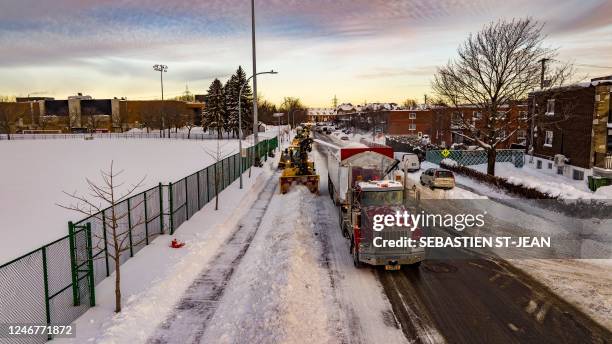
{"points": [[231, 102], [246, 102], [214, 115]]}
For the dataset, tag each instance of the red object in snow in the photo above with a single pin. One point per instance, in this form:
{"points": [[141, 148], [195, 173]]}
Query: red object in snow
{"points": [[176, 244]]}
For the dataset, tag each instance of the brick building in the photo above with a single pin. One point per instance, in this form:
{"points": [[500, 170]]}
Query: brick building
{"points": [[440, 124], [574, 124], [82, 113]]}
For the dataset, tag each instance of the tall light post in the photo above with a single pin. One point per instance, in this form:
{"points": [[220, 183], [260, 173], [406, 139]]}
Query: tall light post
{"points": [[240, 117], [255, 121], [161, 69]]}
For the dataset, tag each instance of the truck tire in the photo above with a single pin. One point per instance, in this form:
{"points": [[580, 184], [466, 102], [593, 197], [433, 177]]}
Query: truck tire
{"points": [[355, 253]]}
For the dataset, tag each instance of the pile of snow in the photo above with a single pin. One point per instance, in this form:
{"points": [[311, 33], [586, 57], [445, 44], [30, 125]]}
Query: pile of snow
{"points": [[604, 192], [552, 184], [449, 162]]}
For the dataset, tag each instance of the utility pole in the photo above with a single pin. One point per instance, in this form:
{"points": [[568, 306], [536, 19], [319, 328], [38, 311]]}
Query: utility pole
{"points": [[255, 120], [240, 118], [162, 69], [533, 115]]}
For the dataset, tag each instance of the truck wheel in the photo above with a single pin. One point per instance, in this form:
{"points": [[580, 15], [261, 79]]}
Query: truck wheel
{"points": [[356, 261]]}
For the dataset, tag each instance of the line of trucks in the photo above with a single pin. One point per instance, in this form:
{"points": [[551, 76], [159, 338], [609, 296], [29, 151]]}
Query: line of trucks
{"points": [[358, 184]]}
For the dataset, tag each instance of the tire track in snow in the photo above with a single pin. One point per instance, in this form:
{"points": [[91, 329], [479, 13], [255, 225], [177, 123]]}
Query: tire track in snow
{"points": [[187, 323]]}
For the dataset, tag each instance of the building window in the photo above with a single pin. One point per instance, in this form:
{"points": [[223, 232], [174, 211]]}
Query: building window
{"points": [[560, 170], [578, 175], [521, 134], [477, 115], [412, 115], [550, 107], [412, 126], [550, 165], [523, 115], [548, 139], [539, 164]]}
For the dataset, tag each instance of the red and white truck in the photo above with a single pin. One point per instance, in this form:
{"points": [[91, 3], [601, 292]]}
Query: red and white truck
{"points": [[357, 183]]}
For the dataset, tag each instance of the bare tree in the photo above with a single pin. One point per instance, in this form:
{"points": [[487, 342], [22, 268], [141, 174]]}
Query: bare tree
{"points": [[218, 155], [107, 196], [409, 103], [496, 67]]}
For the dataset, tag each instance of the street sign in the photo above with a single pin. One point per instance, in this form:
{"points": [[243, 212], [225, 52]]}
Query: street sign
{"points": [[445, 153]]}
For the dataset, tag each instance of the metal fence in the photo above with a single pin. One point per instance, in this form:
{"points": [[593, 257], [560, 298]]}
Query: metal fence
{"points": [[476, 157], [55, 284], [156, 135]]}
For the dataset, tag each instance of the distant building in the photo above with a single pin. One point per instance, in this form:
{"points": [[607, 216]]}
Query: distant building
{"points": [[83, 113], [321, 114]]}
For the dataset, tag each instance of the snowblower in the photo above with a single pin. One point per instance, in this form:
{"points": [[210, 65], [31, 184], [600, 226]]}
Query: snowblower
{"points": [[297, 168]]}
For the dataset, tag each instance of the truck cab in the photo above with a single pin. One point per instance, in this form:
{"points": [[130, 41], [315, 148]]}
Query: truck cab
{"points": [[367, 200]]}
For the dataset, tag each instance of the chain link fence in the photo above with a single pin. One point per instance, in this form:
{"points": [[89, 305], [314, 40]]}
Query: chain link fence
{"points": [[476, 157], [55, 284]]}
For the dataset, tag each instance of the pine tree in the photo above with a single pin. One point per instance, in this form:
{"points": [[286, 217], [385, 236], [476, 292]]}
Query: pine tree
{"points": [[231, 102], [214, 115], [246, 102]]}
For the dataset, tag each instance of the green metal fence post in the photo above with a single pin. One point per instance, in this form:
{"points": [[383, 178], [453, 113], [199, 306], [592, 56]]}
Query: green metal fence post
{"points": [[105, 243], [198, 181], [46, 284], [129, 214], [73, 265], [161, 209], [186, 199], [92, 286], [207, 186], [222, 174], [171, 208], [146, 221]]}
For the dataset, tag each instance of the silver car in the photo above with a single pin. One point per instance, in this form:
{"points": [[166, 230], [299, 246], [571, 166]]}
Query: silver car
{"points": [[438, 178]]}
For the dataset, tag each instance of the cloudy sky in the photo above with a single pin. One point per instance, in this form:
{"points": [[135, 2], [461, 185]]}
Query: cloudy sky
{"points": [[359, 50]]}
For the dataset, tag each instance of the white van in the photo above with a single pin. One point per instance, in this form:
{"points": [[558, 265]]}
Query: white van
{"points": [[409, 162]]}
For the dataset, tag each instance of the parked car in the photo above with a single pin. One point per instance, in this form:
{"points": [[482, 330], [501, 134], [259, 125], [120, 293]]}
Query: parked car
{"points": [[409, 162], [438, 178]]}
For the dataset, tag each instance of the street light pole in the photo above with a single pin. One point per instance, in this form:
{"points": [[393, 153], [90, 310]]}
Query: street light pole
{"points": [[161, 69], [255, 120], [240, 117]]}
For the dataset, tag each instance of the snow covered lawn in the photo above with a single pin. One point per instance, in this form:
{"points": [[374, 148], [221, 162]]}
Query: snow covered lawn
{"points": [[34, 174], [541, 180]]}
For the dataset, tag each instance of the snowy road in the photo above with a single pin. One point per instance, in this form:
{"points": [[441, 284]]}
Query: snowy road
{"points": [[477, 299]]}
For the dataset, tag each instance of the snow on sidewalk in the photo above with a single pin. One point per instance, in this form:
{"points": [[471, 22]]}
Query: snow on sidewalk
{"points": [[156, 278]]}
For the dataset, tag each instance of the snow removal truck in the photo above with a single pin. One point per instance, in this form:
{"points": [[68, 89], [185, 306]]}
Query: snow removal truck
{"points": [[296, 166], [357, 184]]}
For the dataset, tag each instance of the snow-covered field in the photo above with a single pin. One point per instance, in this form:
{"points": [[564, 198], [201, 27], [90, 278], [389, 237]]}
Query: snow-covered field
{"points": [[34, 174]]}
